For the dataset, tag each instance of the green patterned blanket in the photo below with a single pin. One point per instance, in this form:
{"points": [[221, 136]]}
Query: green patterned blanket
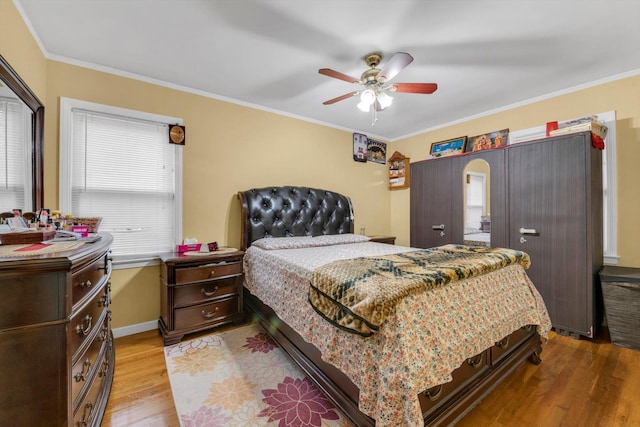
{"points": [[358, 294]]}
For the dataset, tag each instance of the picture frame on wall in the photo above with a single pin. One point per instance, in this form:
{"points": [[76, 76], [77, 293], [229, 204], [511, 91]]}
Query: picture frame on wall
{"points": [[376, 151], [360, 142], [495, 139], [449, 147]]}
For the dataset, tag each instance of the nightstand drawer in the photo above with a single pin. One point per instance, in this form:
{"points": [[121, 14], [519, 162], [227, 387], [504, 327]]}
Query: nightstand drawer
{"points": [[190, 317], [204, 291], [207, 272]]}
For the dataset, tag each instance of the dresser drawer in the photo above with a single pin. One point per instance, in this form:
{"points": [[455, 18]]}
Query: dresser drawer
{"points": [[87, 410], [204, 291], [32, 298], [469, 372], [83, 369], [505, 346], [85, 280], [87, 320], [207, 272], [190, 317]]}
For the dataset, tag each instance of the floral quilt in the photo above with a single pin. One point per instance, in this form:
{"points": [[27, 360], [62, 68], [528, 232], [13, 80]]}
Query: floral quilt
{"points": [[427, 337], [358, 294]]}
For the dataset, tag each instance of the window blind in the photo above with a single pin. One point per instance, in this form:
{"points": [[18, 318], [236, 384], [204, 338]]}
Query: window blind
{"points": [[123, 170], [12, 155]]}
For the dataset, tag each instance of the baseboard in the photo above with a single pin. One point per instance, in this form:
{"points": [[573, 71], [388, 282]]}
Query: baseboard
{"points": [[135, 329]]}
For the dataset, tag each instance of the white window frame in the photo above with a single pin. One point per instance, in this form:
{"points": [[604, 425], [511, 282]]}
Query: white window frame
{"points": [[610, 199], [66, 131]]}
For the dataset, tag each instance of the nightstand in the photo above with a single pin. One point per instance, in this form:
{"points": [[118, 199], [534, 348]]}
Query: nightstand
{"points": [[199, 292], [391, 240]]}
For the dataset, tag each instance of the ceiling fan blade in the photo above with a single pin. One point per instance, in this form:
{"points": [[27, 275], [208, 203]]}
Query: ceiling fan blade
{"points": [[338, 75], [413, 87], [398, 61], [340, 98]]}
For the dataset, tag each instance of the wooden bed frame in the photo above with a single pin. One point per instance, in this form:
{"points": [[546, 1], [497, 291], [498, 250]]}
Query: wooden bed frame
{"points": [[298, 211]]}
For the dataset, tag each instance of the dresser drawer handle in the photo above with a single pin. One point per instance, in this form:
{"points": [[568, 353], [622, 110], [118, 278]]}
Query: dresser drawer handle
{"points": [[504, 342], [86, 417], [210, 314], [80, 376], [84, 331], [104, 334], [475, 361], [208, 294], [105, 369], [434, 393], [212, 273], [86, 284]]}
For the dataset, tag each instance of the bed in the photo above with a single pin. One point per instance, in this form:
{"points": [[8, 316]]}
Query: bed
{"points": [[429, 361]]}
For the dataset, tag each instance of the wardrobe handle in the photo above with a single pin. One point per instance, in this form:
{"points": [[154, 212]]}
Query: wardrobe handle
{"points": [[529, 231], [437, 227]]}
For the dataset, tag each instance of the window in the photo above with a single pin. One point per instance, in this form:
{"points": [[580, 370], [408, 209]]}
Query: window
{"points": [[15, 155], [118, 164], [609, 199]]}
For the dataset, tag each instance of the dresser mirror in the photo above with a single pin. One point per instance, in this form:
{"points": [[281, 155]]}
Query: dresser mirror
{"points": [[477, 219], [21, 141]]}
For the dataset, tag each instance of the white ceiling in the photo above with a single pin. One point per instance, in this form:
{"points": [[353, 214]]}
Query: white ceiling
{"points": [[484, 54]]}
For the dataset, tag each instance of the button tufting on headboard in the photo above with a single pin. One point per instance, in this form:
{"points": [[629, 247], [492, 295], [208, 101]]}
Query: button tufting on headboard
{"points": [[293, 211]]}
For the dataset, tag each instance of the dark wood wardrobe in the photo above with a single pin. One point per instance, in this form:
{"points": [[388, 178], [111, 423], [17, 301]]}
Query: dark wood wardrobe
{"points": [[545, 199]]}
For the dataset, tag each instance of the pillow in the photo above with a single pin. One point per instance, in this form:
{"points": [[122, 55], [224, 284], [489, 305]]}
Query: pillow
{"points": [[339, 239], [269, 243]]}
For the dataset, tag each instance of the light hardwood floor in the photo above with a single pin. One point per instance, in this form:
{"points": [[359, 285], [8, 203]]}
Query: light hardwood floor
{"points": [[578, 383]]}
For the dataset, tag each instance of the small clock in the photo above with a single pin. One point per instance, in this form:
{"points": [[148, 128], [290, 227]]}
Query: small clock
{"points": [[176, 134]]}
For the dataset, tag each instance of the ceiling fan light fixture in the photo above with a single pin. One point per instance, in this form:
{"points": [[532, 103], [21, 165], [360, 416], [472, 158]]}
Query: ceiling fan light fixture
{"points": [[363, 106], [368, 96], [384, 100]]}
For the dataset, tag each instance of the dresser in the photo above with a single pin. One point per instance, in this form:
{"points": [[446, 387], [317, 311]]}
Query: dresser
{"points": [[56, 347], [199, 292]]}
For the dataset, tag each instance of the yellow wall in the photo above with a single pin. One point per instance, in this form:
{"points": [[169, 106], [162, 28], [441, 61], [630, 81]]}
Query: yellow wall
{"points": [[231, 148], [20, 50], [621, 96]]}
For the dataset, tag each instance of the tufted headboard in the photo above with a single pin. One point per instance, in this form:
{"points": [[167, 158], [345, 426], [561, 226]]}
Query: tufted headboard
{"points": [[293, 211]]}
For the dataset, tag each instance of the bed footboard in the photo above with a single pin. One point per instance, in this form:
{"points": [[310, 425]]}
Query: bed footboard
{"points": [[441, 405]]}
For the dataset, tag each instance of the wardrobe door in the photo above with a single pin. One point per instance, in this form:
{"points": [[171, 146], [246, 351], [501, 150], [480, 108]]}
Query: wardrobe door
{"points": [[433, 219], [548, 194]]}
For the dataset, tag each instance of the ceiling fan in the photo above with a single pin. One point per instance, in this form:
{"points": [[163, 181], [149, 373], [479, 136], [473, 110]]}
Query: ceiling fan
{"points": [[375, 82]]}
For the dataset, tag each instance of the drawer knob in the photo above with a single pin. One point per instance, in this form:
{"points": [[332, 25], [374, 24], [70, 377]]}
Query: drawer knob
{"points": [[210, 314], [212, 273], [208, 294], [84, 330], [86, 284], [80, 376]]}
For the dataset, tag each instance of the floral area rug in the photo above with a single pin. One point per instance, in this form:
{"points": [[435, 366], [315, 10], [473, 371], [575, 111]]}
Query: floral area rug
{"points": [[240, 377]]}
